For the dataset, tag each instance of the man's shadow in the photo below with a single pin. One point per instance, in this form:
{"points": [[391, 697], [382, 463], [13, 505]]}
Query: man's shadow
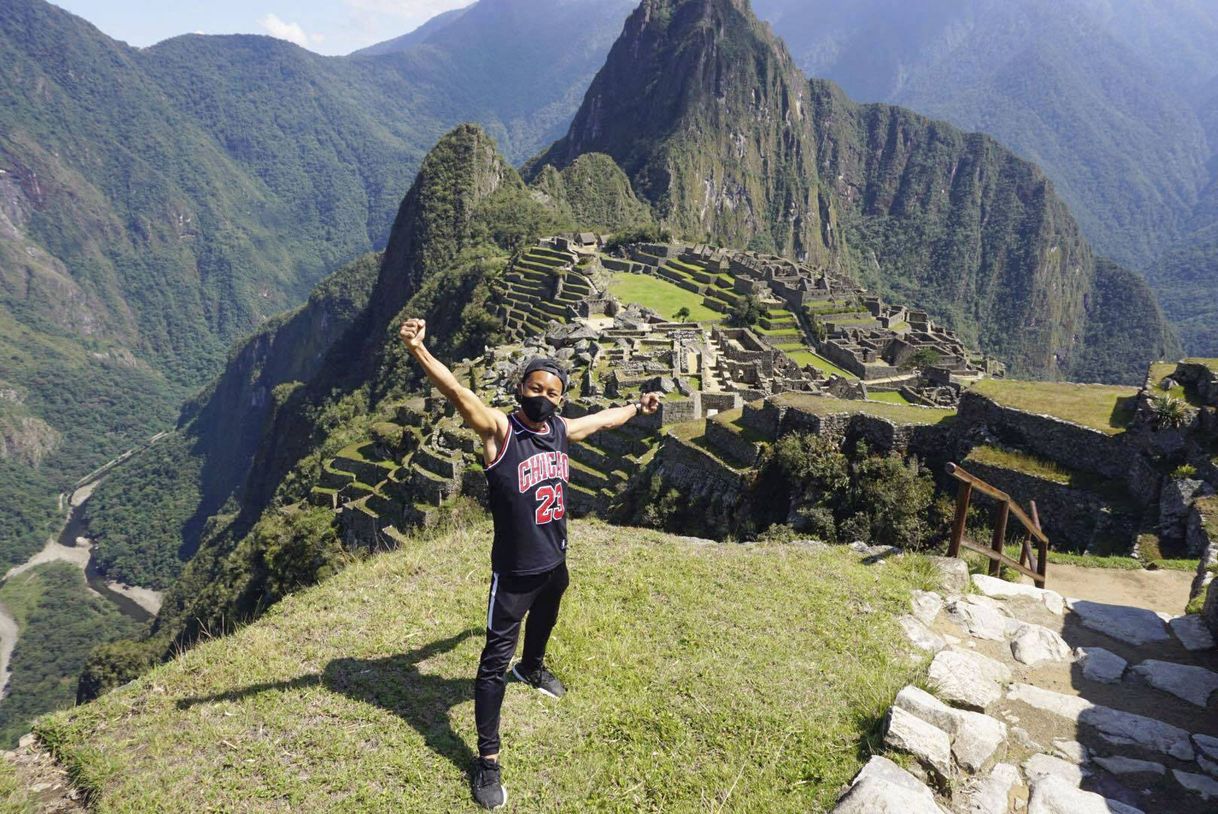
{"points": [[393, 683]]}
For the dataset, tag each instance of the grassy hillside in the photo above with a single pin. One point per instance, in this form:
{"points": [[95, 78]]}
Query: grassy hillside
{"points": [[698, 675]]}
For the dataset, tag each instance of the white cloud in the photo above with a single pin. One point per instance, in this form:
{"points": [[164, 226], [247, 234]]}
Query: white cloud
{"points": [[292, 32]]}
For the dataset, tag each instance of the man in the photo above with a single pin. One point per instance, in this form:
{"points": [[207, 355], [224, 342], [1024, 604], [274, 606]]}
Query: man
{"points": [[525, 457]]}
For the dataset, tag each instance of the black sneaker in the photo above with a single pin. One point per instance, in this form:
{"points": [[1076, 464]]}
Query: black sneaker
{"points": [[489, 791], [541, 680]]}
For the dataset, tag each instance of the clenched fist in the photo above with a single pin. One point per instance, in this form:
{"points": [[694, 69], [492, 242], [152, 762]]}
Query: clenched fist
{"points": [[412, 333], [649, 403]]}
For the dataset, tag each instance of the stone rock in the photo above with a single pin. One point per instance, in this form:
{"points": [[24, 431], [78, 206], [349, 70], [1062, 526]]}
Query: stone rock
{"points": [[1033, 645], [1053, 795], [1193, 684], [1174, 502], [1202, 784], [1207, 745], [883, 787], [982, 620], [953, 573], [921, 636], [1100, 665], [1136, 626], [990, 794], [926, 606], [1001, 589], [1192, 632], [27, 740], [925, 741], [925, 706], [1208, 766], [1207, 559], [1127, 765], [1116, 726], [1039, 766], [978, 739], [1072, 751], [967, 679], [876, 552]]}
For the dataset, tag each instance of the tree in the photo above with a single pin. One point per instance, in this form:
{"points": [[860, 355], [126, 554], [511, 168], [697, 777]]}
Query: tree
{"points": [[682, 314], [921, 358], [745, 312]]}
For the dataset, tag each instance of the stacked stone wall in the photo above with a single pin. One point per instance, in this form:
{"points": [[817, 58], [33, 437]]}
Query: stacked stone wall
{"points": [[1072, 446]]}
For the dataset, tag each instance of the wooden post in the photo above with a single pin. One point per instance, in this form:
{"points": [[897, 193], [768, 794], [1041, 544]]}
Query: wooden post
{"points": [[963, 495], [1000, 532], [1042, 561]]}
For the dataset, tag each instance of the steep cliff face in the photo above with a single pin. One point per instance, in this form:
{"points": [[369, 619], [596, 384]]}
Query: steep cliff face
{"points": [[958, 225], [717, 128]]}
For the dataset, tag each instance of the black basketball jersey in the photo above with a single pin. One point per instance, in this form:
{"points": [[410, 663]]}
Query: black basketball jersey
{"points": [[527, 484]]}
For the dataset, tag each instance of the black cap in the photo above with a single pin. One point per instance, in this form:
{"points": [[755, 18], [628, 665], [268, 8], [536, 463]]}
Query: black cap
{"points": [[548, 365]]}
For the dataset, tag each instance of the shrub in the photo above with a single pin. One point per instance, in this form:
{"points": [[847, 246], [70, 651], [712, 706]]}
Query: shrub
{"points": [[1169, 412], [895, 495], [745, 312], [112, 665]]}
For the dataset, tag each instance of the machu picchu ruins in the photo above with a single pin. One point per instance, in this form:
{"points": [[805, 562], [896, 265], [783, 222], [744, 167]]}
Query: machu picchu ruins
{"points": [[819, 355]]}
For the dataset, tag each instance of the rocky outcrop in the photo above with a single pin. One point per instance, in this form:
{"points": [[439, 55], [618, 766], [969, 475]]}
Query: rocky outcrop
{"points": [[27, 439]]}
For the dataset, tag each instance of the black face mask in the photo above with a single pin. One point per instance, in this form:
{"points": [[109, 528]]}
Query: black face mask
{"points": [[537, 408]]}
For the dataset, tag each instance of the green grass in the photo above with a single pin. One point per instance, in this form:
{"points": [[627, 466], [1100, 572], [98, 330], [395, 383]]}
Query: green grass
{"points": [[1108, 408], [820, 363], [1107, 488], [1021, 462], [1115, 561], [890, 396], [1212, 364], [14, 799], [661, 295], [1207, 507], [897, 413], [357, 695], [1161, 370]]}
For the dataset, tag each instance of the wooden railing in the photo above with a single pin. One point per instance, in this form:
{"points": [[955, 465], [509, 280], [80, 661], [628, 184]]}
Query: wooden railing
{"points": [[1003, 510]]}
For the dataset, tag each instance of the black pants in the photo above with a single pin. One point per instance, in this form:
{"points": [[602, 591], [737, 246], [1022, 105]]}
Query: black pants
{"points": [[511, 597]]}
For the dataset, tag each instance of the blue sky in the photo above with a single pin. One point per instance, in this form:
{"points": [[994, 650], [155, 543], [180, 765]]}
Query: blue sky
{"points": [[324, 26]]}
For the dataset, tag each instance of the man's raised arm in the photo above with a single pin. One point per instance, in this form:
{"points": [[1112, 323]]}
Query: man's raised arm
{"points": [[580, 428], [489, 423]]}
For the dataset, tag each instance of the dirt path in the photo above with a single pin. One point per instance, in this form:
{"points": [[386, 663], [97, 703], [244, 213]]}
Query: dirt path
{"points": [[1161, 590]]}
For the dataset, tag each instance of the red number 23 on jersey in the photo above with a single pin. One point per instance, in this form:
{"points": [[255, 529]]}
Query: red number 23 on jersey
{"points": [[551, 507]]}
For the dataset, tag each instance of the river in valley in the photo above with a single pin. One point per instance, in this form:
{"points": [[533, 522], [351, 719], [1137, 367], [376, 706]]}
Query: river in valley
{"points": [[140, 604]]}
